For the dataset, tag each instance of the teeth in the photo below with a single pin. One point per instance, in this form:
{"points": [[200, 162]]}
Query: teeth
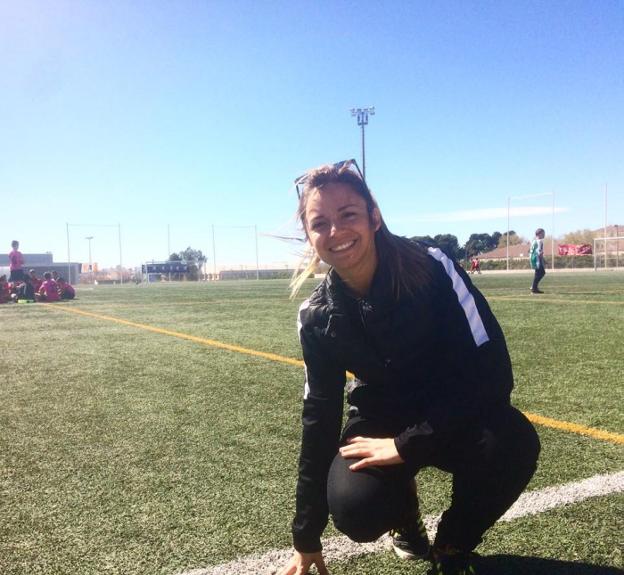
{"points": [[342, 247]]}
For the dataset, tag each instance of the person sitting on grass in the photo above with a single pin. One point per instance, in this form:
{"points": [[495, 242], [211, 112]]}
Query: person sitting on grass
{"points": [[66, 290], [5, 290], [408, 323], [26, 291], [49, 289], [36, 281]]}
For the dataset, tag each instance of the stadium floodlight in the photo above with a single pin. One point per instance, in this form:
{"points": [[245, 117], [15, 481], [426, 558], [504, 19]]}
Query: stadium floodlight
{"points": [[362, 120], [118, 226]]}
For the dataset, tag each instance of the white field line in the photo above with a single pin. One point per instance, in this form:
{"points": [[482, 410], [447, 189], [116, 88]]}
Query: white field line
{"points": [[341, 548]]}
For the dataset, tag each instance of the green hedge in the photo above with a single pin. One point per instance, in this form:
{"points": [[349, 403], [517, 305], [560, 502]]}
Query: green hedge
{"points": [[561, 262]]}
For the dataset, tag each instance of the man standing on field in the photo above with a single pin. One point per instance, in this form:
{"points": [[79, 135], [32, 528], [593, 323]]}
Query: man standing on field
{"points": [[537, 259]]}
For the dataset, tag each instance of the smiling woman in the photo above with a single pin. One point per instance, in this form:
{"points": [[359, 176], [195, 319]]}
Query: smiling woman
{"points": [[342, 233], [317, 200], [432, 387]]}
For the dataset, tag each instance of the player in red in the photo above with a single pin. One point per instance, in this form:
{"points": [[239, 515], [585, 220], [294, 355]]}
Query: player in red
{"points": [[49, 289], [16, 263], [5, 290], [475, 265], [34, 280], [66, 290]]}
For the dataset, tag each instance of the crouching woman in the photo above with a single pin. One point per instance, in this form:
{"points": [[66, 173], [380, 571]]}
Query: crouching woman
{"points": [[407, 322]]}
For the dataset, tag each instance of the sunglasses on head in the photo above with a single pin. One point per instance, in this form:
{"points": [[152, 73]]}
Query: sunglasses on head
{"points": [[344, 165]]}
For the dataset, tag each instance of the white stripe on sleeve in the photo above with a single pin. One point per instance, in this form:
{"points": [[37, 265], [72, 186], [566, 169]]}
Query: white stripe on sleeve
{"points": [[466, 299], [305, 305]]}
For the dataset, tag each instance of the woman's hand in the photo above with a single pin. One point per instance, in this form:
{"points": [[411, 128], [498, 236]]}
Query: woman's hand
{"points": [[371, 451], [300, 563]]}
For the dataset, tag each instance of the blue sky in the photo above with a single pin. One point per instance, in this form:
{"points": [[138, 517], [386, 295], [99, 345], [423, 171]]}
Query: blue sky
{"points": [[184, 115]]}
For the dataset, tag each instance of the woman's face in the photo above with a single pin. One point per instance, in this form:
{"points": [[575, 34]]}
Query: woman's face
{"points": [[340, 229]]}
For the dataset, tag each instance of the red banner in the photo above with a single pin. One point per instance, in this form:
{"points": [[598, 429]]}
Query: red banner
{"points": [[575, 250]]}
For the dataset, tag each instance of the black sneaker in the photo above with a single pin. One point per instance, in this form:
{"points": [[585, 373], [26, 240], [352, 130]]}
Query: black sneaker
{"points": [[411, 542], [536, 291], [450, 561]]}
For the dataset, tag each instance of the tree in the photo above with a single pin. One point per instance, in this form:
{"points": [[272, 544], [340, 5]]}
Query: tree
{"points": [[480, 243], [194, 260], [580, 237], [450, 244], [447, 242], [514, 239], [424, 239]]}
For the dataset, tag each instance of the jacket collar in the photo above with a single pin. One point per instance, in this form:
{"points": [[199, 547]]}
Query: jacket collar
{"points": [[340, 298]]}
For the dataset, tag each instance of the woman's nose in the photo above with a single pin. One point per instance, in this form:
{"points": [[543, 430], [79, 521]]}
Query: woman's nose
{"points": [[334, 228]]}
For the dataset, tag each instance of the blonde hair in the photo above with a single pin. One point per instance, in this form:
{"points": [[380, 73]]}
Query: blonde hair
{"points": [[397, 252]]}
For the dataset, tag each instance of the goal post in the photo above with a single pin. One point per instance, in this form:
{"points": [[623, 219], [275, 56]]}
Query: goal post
{"points": [[608, 252]]}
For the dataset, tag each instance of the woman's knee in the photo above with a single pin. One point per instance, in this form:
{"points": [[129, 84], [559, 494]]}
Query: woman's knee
{"points": [[363, 504], [360, 523]]}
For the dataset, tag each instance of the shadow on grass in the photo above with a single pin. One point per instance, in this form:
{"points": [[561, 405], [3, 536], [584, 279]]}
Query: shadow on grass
{"points": [[516, 565]]}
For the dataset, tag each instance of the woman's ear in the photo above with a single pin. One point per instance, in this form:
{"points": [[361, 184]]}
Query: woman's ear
{"points": [[376, 218]]}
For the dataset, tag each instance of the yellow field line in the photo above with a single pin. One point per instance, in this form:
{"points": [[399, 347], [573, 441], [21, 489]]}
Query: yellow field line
{"points": [[196, 339], [541, 299], [575, 428], [540, 420]]}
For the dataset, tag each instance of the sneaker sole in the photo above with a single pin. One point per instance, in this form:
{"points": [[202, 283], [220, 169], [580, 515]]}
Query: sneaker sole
{"points": [[409, 556]]}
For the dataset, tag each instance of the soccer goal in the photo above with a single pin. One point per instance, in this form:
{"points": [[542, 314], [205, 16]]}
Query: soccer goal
{"points": [[608, 252]]}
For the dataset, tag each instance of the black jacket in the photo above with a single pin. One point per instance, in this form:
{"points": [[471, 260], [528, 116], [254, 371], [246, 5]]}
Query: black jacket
{"points": [[432, 362]]}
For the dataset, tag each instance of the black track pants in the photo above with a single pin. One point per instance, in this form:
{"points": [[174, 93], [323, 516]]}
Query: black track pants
{"points": [[491, 465], [540, 272]]}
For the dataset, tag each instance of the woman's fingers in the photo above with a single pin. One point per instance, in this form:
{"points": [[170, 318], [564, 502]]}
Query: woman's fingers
{"points": [[362, 463], [371, 451], [300, 563], [320, 565]]}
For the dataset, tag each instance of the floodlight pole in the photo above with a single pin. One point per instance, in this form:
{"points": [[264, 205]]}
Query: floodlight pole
{"points": [[508, 209], [257, 260], [552, 235], [362, 120], [214, 256], [605, 226], [89, 238], [69, 278]]}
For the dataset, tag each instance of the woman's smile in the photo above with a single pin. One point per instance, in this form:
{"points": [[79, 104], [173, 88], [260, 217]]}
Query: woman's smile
{"points": [[342, 247]]}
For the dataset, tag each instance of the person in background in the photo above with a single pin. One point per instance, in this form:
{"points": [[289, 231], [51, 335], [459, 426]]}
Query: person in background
{"points": [[26, 291], [536, 257], [5, 290], [49, 289], [66, 290], [475, 265], [408, 323], [16, 263], [36, 282]]}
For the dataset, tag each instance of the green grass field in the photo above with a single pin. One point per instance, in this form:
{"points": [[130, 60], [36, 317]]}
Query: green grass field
{"points": [[129, 451]]}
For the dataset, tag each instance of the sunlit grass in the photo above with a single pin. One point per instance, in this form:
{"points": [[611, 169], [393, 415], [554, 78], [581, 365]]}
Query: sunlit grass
{"points": [[124, 451]]}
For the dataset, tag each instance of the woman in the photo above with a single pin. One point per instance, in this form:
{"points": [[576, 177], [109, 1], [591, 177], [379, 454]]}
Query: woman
{"points": [[408, 323]]}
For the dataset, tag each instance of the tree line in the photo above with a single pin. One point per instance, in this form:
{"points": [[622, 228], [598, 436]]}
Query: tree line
{"points": [[476, 244]]}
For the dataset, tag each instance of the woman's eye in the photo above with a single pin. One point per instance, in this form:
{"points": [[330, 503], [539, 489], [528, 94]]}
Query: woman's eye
{"points": [[317, 226]]}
